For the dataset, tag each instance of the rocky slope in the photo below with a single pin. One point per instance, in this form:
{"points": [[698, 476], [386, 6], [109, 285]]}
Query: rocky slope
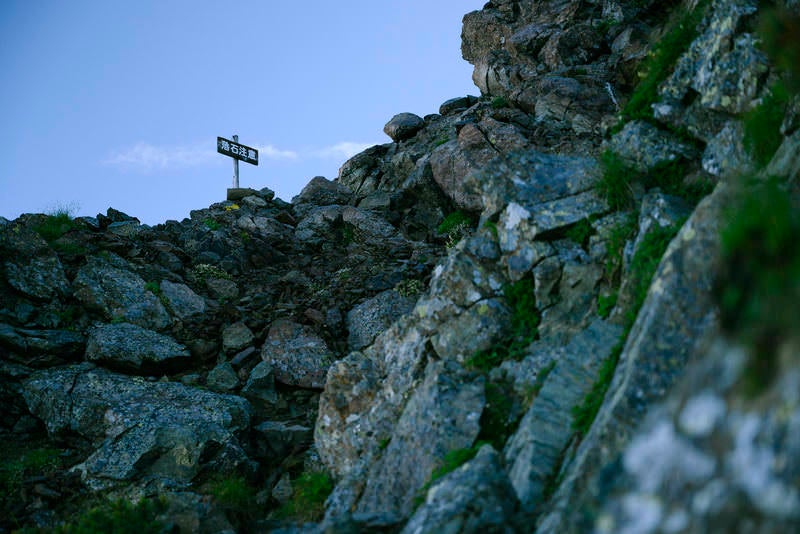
{"points": [[566, 305]]}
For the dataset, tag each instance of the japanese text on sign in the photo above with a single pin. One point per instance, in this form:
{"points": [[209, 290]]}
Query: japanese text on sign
{"points": [[236, 150]]}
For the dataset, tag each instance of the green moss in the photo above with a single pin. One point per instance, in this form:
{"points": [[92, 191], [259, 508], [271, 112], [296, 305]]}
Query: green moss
{"points": [[120, 517], [308, 498], [762, 135], [492, 227], [498, 419], [17, 464], [661, 60], [153, 288], [452, 461], [580, 232], [778, 29], [606, 303], [453, 221], [55, 225], [584, 413], [523, 330], [499, 102], [211, 224], [236, 496], [760, 278]]}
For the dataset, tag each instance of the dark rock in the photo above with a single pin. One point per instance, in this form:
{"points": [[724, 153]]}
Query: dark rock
{"points": [[403, 126], [139, 429], [373, 316], [132, 348], [31, 266], [297, 356]]}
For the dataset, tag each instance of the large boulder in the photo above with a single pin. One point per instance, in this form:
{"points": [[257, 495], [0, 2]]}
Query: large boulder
{"points": [[131, 348], [31, 266], [403, 126], [298, 356], [111, 288], [476, 498], [373, 316], [140, 430]]}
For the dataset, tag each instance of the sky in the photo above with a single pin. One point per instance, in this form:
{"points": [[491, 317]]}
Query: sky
{"points": [[119, 103]]}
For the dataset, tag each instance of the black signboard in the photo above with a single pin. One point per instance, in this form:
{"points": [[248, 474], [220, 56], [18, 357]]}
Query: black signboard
{"points": [[237, 150]]}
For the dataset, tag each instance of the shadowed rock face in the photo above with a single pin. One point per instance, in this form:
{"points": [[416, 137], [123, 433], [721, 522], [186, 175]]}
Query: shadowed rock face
{"points": [[564, 348]]}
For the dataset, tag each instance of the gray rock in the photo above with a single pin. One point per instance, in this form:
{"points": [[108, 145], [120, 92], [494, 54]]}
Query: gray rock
{"points": [[532, 454], [644, 147], [724, 155], [266, 228], [678, 319], [281, 439], [374, 315], [456, 104], [40, 348], [222, 289], [139, 429], [236, 337], [475, 498], [442, 415], [222, 378], [255, 202], [403, 126], [297, 355], [317, 225], [182, 301], [119, 293], [31, 266], [719, 464], [322, 192], [475, 329], [132, 348], [261, 384]]}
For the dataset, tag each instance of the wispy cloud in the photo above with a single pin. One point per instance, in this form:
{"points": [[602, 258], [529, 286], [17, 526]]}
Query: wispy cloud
{"points": [[343, 150], [158, 157], [271, 152], [150, 156]]}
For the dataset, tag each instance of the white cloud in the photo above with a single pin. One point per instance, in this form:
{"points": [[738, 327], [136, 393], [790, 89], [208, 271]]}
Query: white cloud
{"points": [[343, 150], [150, 157], [271, 152]]}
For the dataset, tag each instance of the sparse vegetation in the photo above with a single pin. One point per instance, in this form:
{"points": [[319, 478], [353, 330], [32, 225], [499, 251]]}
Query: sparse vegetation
{"points": [[120, 517], [614, 184], [499, 102], [454, 227], [762, 135], [661, 60], [308, 498], [499, 419], [204, 271], [580, 232], [153, 288], [56, 224], [452, 461], [760, 279], [236, 496], [606, 303], [409, 288], [643, 267], [211, 224], [524, 323]]}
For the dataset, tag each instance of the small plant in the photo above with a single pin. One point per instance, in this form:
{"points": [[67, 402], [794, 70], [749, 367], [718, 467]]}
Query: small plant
{"points": [[120, 517], [499, 418], [204, 271], [56, 224], [308, 499], [409, 288], [762, 135], [452, 221], [499, 102], [533, 391], [441, 141], [235, 495], [211, 224], [760, 279], [660, 62], [382, 444], [614, 184], [451, 461], [232, 207], [580, 232], [606, 303], [492, 227], [615, 245], [153, 288], [643, 267], [521, 300]]}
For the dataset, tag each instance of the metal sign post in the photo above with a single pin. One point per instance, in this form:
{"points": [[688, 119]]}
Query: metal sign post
{"points": [[237, 151], [236, 167]]}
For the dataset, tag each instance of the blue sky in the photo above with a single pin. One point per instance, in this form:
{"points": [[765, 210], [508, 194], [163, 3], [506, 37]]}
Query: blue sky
{"points": [[118, 104]]}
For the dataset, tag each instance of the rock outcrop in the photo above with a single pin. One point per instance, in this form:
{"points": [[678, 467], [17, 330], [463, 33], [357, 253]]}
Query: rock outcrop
{"points": [[564, 305]]}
